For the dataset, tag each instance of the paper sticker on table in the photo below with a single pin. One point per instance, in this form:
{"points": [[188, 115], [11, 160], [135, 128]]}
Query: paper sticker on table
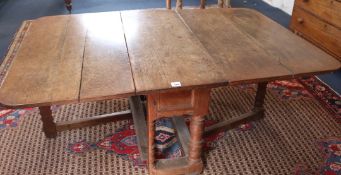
{"points": [[176, 84]]}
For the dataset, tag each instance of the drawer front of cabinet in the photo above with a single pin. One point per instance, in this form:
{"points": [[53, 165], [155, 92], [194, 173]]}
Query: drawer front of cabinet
{"points": [[322, 34], [328, 10]]}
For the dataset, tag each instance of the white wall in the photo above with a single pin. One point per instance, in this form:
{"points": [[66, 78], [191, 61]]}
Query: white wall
{"points": [[285, 5]]}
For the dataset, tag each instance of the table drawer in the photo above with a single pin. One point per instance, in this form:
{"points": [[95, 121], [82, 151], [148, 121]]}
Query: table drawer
{"points": [[317, 31], [176, 100], [328, 10]]}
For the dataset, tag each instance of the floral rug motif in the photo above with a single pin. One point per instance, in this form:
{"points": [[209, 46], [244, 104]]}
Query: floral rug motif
{"points": [[124, 142], [331, 149], [283, 89], [289, 90], [80, 147], [10, 117], [324, 94], [245, 127]]}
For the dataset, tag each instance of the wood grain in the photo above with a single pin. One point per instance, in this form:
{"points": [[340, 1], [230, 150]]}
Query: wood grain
{"points": [[242, 59], [47, 68], [163, 50], [320, 23], [67, 59], [175, 100], [106, 69], [293, 52], [319, 32], [328, 10], [253, 48]]}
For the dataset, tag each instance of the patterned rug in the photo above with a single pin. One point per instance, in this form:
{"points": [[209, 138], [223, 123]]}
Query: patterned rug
{"points": [[309, 87], [10, 117], [124, 142], [331, 148], [324, 94], [275, 145]]}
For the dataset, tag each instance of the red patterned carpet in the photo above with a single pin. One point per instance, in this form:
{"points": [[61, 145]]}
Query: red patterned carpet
{"points": [[122, 141]]}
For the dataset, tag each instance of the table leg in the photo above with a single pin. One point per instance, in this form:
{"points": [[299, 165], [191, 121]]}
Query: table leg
{"points": [[179, 4], [260, 97], [68, 5], [202, 4], [195, 146], [168, 4], [49, 126], [256, 113], [151, 117], [221, 3]]}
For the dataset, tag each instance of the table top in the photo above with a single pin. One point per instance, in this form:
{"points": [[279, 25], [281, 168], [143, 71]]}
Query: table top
{"points": [[73, 58]]}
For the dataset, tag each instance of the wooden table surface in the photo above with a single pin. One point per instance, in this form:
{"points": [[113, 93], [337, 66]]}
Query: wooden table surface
{"points": [[73, 58]]}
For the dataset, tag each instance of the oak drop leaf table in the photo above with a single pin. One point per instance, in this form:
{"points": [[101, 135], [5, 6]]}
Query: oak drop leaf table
{"points": [[173, 58]]}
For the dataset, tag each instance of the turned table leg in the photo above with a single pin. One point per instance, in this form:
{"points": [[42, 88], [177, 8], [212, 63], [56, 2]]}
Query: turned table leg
{"points": [[201, 108], [195, 146], [49, 126]]}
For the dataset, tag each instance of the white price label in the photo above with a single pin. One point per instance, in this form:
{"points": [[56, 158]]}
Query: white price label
{"points": [[176, 84]]}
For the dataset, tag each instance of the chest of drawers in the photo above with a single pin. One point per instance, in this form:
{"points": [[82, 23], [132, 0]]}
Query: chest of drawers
{"points": [[319, 21]]}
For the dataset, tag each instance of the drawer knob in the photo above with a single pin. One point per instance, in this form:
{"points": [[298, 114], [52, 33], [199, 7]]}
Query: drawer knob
{"points": [[300, 20]]}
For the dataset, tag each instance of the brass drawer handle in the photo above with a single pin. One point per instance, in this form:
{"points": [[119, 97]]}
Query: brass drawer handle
{"points": [[300, 20]]}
